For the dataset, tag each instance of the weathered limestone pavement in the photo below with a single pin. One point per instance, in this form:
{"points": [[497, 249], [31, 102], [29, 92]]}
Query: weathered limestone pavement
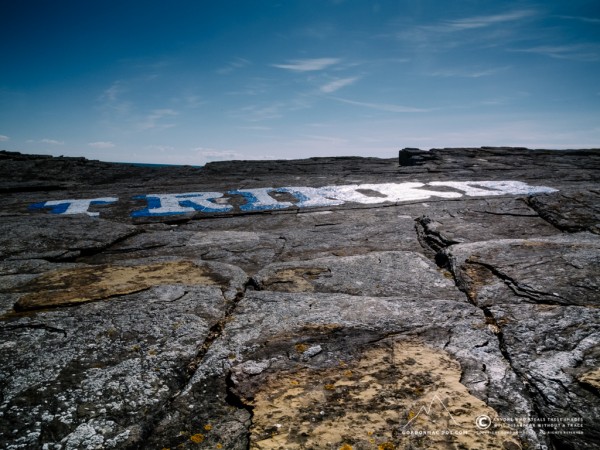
{"points": [[446, 299]]}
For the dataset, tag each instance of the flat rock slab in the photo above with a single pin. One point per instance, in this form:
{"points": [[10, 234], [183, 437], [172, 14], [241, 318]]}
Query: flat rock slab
{"points": [[570, 211], [556, 351], [542, 297], [378, 274], [482, 220], [350, 370], [70, 286], [558, 270], [94, 376], [56, 237]]}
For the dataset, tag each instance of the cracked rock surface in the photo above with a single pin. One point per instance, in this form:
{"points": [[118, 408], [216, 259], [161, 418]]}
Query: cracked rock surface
{"points": [[467, 319]]}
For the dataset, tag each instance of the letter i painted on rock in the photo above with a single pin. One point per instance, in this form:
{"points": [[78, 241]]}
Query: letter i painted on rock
{"points": [[79, 206], [174, 204]]}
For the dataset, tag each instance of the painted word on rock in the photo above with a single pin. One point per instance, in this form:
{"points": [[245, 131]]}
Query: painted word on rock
{"points": [[261, 199]]}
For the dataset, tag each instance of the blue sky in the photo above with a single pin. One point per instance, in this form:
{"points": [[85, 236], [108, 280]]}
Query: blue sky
{"points": [[186, 82]]}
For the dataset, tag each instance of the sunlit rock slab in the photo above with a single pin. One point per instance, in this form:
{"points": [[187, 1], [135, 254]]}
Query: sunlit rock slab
{"points": [[377, 274], [95, 375], [352, 370]]}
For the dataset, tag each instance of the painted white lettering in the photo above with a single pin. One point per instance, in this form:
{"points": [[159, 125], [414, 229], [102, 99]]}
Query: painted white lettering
{"points": [[403, 192], [474, 188], [264, 199], [311, 197], [79, 206], [173, 204], [258, 199], [349, 193]]}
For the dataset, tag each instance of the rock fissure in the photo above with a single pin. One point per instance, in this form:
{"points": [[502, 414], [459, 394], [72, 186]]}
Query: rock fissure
{"points": [[539, 297], [34, 326], [190, 368]]}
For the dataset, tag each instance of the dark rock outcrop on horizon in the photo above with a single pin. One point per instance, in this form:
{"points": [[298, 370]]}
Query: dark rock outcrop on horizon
{"points": [[439, 300]]}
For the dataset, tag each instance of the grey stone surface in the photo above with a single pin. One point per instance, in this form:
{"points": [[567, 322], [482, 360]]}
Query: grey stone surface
{"points": [[342, 326], [57, 238], [277, 330], [542, 297], [95, 376], [380, 274], [557, 270]]}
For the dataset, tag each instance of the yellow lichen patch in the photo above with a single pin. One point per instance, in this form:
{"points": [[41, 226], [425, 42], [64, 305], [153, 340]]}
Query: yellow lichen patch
{"points": [[207, 427], [346, 447], [293, 280], [386, 446], [84, 284], [301, 348], [197, 438], [591, 378], [400, 394]]}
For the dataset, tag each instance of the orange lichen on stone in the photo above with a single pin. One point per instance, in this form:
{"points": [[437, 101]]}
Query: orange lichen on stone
{"points": [[386, 446], [85, 284], [207, 427], [296, 279], [395, 386], [301, 348], [197, 438]]}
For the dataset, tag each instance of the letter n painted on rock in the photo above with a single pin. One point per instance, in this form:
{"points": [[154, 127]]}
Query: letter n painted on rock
{"points": [[79, 206], [174, 204]]}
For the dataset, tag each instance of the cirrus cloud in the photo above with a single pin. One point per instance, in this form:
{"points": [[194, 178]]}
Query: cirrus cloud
{"points": [[338, 84], [101, 144], [308, 65]]}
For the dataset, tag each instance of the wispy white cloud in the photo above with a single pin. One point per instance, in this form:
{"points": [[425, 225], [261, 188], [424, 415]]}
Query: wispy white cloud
{"points": [[581, 19], [237, 63], [322, 30], [154, 120], [481, 31], [383, 106], [112, 99], [161, 148], [576, 52], [257, 113], [45, 141], [193, 101], [256, 128], [469, 23], [467, 73], [101, 144], [308, 65], [4, 138], [338, 84]]}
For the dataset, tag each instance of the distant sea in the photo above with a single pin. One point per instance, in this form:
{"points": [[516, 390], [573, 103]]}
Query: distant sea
{"points": [[155, 165]]}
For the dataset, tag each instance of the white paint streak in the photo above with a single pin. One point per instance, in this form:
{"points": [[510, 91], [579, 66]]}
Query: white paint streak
{"points": [[80, 206], [263, 199]]}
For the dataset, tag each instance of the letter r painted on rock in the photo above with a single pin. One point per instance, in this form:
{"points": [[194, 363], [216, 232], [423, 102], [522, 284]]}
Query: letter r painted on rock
{"points": [[174, 204], [79, 206]]}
